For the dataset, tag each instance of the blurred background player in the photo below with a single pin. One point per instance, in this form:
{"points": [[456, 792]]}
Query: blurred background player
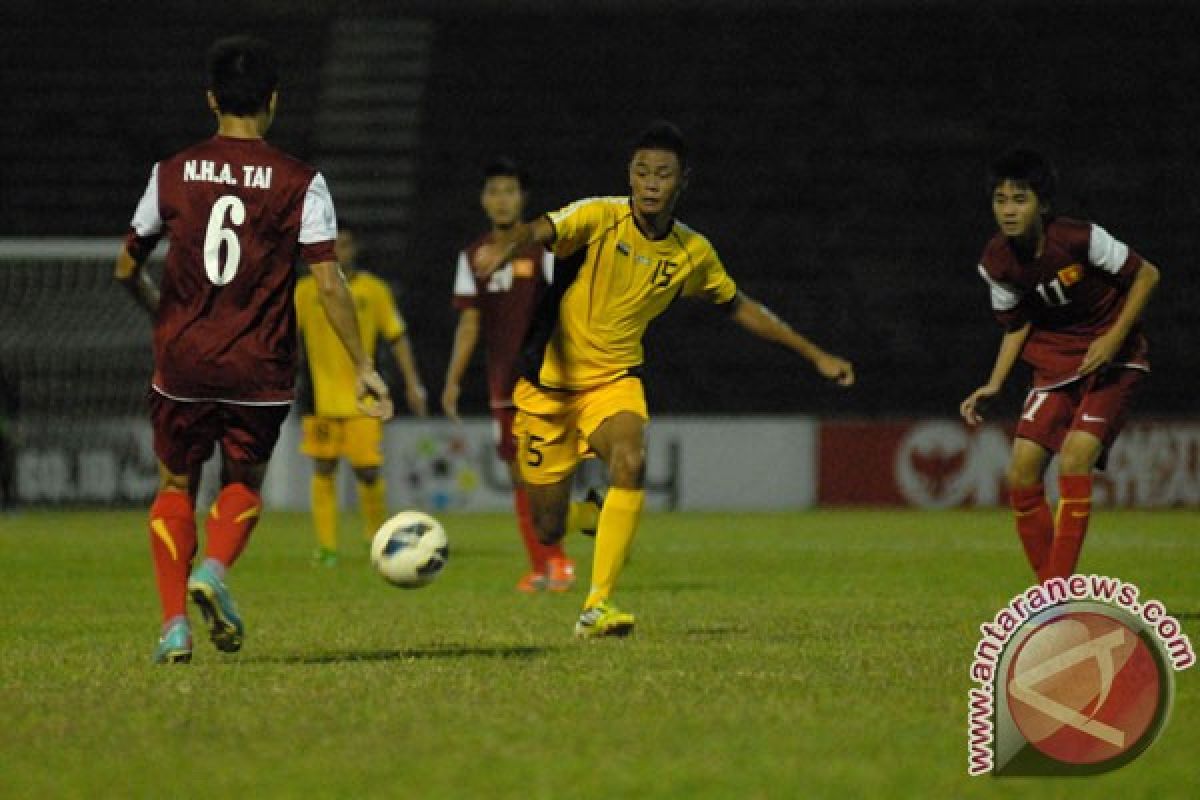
{"points": [[338, 428], [580, 392], [1069, 296], [237, 212], [502, 305]]}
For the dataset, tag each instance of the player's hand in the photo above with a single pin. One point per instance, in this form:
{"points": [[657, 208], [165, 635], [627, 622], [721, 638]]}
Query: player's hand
{"points": [[970, 407], [374, 399], [450, 401], [490, 257], [838, 370], [414, 395], [1102, 351]]}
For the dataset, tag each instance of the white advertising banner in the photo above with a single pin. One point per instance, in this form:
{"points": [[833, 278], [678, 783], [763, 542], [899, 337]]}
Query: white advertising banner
{"points": [[691, 463]]}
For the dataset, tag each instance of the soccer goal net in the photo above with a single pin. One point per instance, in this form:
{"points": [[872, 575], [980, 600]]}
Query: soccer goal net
{"points": [[75, 363]]}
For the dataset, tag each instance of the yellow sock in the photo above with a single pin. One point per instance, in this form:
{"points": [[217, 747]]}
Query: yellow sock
{"points": [[372, 497], [582, 515], [614, 533], [324, 510]]}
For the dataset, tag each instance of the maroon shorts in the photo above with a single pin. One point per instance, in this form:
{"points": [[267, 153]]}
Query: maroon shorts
{"points": [[506, 443], [184, 433], [1098, 404]]}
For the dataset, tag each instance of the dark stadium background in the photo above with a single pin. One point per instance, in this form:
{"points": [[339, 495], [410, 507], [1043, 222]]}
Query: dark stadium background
{"points": [[839, 152]]}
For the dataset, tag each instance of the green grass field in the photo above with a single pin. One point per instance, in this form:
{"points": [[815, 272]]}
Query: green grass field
{"points": [[819, 654]]}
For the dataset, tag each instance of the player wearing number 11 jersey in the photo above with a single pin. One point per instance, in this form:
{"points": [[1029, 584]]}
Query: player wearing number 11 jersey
{"points": [[236, 213], [1069, 295]]}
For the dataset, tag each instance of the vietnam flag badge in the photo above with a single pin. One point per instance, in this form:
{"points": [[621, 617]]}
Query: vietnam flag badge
{"points": [[1069, 276]]}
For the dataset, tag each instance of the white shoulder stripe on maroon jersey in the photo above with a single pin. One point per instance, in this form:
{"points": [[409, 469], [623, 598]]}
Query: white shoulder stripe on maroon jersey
{"points": [[147, 219], [1004, 296], [1106, 252], [464, 280], [318, 220]]}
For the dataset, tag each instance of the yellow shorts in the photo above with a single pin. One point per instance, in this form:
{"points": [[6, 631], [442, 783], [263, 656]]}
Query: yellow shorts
{"points": [[552, 428], [357, 439]]}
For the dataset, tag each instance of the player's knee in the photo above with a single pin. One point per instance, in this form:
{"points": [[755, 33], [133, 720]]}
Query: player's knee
{"points": [[1076, 461], [1021, 475], [325, 466], [366, 474], [627, 467]]}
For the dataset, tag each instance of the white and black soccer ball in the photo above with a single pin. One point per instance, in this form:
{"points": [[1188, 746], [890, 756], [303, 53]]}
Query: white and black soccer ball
{"points": [[410, 549]]}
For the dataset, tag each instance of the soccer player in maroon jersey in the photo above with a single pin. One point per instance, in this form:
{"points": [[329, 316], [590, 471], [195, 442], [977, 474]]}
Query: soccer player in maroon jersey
{"points": [[1069, 296], [236, 212], [502, 306]]}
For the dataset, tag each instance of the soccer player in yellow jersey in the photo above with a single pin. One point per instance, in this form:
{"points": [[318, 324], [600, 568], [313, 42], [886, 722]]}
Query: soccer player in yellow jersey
{"points": [[338, 429], [580, 394]]}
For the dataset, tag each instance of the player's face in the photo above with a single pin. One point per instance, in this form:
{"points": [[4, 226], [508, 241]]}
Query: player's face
{"points": [[1018, 210], [503, 201], [346, 250], [655, 181]]}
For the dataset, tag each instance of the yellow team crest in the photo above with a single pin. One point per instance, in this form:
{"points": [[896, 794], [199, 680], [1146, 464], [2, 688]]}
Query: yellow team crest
{"points": [[1069, 276], [523, 267]]}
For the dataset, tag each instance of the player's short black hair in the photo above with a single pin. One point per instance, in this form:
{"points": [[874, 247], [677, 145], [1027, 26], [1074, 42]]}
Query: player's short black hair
{"points": [[1025, 167], [663, 135], [505, 167], [242, 74]]}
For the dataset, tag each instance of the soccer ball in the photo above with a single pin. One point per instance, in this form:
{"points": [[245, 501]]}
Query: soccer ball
{"points": [[410, 549]]}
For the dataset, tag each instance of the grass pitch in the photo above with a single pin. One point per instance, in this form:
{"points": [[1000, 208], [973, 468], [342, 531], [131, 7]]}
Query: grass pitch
{"points": [[820, 654]]}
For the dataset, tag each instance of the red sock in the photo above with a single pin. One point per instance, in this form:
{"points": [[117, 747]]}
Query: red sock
{"points": [[1035, 525], [1070, 526], [172, 545], [233, 517], [533, 547]]}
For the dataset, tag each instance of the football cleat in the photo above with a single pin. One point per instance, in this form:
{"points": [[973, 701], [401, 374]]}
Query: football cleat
{"points": [[603, 620], [532, 583], [324, 557], [175, 645], [220, 613], [560, 574]]}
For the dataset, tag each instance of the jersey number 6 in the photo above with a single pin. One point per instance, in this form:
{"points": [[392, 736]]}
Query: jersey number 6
{"points": [[217, 234]]}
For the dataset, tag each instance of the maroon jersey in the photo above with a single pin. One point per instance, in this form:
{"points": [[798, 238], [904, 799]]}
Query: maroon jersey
{"points": [[1071, 293], [506, 301], [236, 213]]}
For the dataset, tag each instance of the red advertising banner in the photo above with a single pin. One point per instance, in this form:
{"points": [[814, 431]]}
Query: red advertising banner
{"points": [[942, 463]]}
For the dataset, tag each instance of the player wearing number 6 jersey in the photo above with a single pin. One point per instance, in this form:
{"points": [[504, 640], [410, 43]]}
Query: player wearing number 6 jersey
{"points": [[1069, 296], [236, 213]]}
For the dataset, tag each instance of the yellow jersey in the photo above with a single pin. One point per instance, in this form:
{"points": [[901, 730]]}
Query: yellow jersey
{"points": [[624, 281], [330, 366]]}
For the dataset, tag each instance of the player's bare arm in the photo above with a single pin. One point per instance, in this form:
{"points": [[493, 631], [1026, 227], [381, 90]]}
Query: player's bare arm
{"points": [[762, 322], [466, 335], [335, 299], [129, 272], [1105, 346], [490, 257], [1006, 358], [414, 389]]}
